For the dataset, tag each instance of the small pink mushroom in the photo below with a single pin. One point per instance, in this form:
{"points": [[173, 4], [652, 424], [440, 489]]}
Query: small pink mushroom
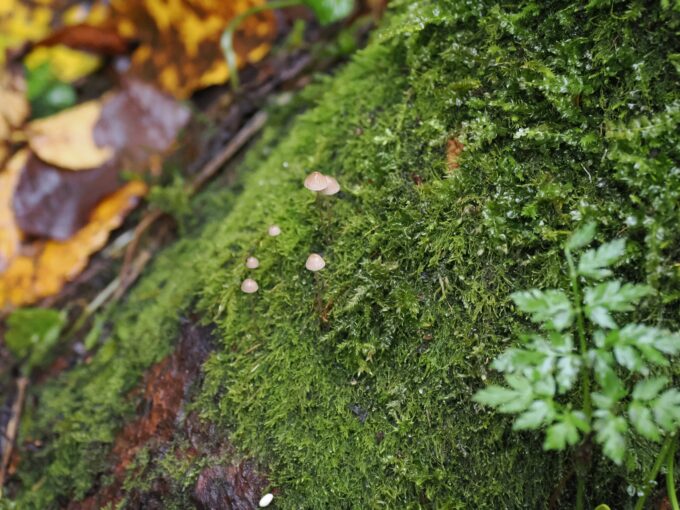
{"points": [[315, 262], [333, 186], [316, 181], [252, 263], [249, 286], [274, 230]]}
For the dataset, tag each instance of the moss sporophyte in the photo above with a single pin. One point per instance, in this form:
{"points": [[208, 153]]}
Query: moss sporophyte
{"points": [[628, 363]]}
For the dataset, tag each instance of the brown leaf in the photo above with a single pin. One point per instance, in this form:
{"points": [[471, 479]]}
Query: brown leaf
{"points": [[66, 139], [100, 40], [180, 41], [139, 122], [454, 149], [55, 203], [47, 266]]}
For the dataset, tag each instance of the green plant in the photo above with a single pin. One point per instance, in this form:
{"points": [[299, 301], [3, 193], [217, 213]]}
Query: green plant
{"points": [[580, 343], [32, 334], [327, 11]]}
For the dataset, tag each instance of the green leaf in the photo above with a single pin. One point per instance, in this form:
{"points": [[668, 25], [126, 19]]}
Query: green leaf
{"points": [[648, 389], [565, 432], [329, 11], [582, 237], [551, 307], [611, 430], [641, 418], [612, 297], [46, 93], [652, 343], [666, 410], [595, 263], [628, 357], [515, 360], [539, 413], [507, 400], [32, 333], [568, 368]]}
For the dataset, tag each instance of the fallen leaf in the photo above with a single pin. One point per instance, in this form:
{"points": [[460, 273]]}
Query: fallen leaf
{"points": [[54, 203], [180, 40], [10, 235], [66, 139], [51, 264], [20, 22], [128, 129], [97, 39], [139, 122], [14, 108], [66, 64], [454, 148]]}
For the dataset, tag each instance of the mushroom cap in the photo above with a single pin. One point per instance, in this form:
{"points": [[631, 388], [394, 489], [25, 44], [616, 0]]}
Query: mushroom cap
{"points": [[333, 186], [315, 262], [274, 230], [252, 263], [266, 500], [316, 181], [249, 286]]}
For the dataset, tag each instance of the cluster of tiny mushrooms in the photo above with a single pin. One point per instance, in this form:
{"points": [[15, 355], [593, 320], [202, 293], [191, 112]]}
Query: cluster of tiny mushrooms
{"points": [[318, 183], [315, 182]]}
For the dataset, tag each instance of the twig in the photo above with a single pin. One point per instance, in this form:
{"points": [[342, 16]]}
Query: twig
{"points": [[12, 428]]}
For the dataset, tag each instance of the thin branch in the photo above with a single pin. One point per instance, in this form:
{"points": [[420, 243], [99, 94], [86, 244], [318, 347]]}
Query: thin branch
{"points": [[12, 429]]}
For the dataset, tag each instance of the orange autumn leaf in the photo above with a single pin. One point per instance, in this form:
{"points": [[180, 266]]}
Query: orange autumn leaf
{"points": [[454, 148], [180, 40], [66, 139], [52, 264]]}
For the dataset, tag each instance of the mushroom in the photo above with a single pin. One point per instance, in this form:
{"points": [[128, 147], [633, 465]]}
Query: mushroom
{"points": [[274, 230], [316, 181], [315, 262], [333, 186], [266, 500], [252, 263], [249, 286]]}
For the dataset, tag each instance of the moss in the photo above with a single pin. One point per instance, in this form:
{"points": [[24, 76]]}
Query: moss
{"points": [[355, 385]]}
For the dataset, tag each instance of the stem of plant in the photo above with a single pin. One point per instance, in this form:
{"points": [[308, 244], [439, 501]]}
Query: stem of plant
{"points": [[581, 327], [670, 477], [227, 41], [654, 471], [585, 381]]}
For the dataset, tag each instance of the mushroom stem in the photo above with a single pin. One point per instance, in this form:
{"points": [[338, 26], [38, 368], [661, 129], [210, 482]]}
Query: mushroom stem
{"points": [[318, 295]]}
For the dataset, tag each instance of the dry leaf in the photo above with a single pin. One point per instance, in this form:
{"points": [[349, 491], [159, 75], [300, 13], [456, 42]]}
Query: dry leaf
{"points": [[454, 148], [67, 140], [10, 236], [52, 264], [55, 203], [180, 40], [139, 122], [82, 36], [14, 108]]}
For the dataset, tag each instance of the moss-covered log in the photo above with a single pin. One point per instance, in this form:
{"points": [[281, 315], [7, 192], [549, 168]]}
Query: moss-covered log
{"points": [[469, 138]]}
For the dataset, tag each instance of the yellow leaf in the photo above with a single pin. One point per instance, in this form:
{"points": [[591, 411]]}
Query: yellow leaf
{"points": [[67, 140], [180, 40], [66, 64], [10, 236], [55, 263]]}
